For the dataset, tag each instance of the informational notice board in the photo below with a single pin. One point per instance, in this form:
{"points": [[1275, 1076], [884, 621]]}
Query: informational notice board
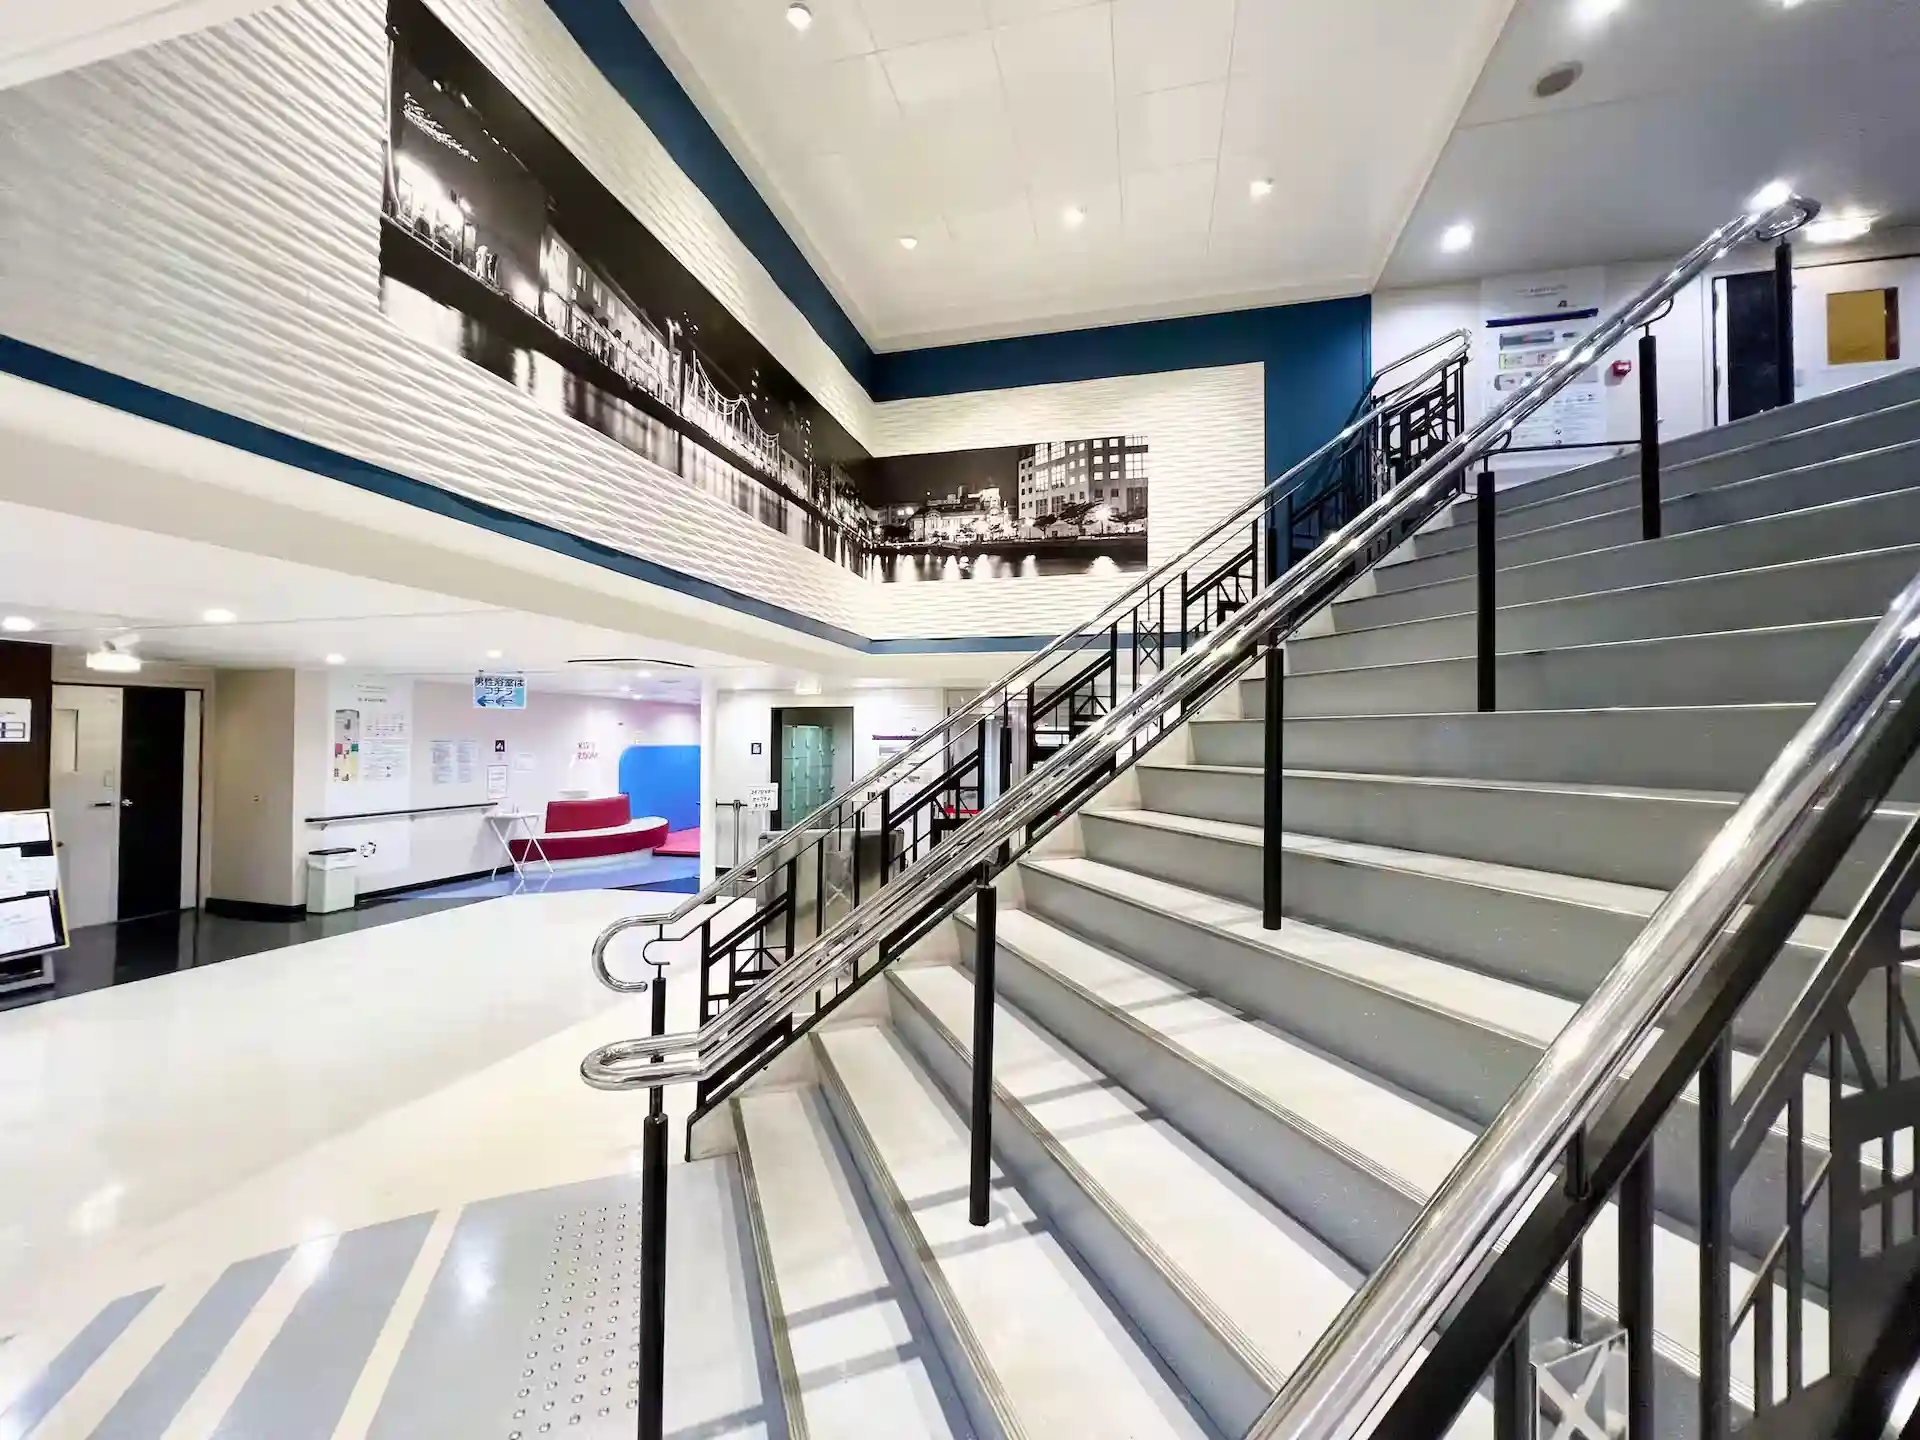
{"points": [[33, 920]]}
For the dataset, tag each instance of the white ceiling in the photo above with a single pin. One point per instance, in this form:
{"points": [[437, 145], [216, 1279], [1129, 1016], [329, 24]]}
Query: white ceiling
{"points": [[44, 37], [972, 125], [157, 587], [1686, 107]]}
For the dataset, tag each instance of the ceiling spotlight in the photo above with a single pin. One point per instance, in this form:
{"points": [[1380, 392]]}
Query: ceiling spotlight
{"points": [[1591, 13], [909, 242], [1560, 79], [16, 624], [1838, 229], [1260, 189], [1073, 217], [1456, 238], [336, 658], [493, 654], [1770, 196], [217, 616], [799, 16]]}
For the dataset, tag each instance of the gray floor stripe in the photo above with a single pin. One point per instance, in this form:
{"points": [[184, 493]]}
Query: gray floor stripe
{"points": [[71, 1363], [301, 1384], [157, 1393]]}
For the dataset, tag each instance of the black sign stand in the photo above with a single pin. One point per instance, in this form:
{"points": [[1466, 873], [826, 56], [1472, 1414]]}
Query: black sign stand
{"points": [[29, 835]]}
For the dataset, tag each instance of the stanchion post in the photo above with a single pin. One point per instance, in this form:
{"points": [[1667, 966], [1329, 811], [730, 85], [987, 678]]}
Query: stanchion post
{"points": [[1483, 519], [1649, 437], [1273, 826], [985, 942], [653, 1244], [1783, 318]]}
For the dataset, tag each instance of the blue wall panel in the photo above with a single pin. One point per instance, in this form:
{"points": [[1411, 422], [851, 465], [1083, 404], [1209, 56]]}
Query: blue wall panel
{"points": [[663, 780]]}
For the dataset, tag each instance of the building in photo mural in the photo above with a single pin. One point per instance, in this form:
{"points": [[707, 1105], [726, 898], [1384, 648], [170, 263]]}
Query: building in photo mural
{"points": [[497, 245]]}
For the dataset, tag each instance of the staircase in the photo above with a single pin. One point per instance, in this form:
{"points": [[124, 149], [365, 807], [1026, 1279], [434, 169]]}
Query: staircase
{"points": [[1207, 1133]]}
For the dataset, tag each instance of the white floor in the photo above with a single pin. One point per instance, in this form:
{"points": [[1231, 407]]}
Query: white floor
{"points": [[154, 1132]]}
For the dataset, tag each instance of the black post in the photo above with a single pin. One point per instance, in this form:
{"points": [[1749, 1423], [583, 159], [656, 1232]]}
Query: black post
{"points": [[653, 1245], [1783, 317], [1649, 437], [1272, 842], [984, 943], [1513, 1402], [1636, 1292], [1716, 1300], [1483, 530]]}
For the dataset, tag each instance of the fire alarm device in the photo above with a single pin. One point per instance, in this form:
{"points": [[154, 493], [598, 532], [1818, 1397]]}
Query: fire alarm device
{"points": [[1621, 369]]}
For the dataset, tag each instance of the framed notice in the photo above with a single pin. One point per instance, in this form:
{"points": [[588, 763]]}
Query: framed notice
{"points": [[33, 919]]}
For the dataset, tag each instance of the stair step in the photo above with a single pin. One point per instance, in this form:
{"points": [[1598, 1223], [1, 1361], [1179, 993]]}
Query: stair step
{"points": [[1391, 1152], [851, 1347], [1048, 1355], [1877, 472], [1736, 667], [1637, 836], [1252, 1285], [1799, 592]]}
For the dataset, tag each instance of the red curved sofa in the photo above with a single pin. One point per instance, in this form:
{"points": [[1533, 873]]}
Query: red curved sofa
{"points": [[592, 830]]}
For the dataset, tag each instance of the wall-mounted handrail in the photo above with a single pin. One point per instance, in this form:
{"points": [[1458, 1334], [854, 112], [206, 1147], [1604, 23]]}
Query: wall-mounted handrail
{"points": [[322, 821], [1274, 614], [933, 740]]}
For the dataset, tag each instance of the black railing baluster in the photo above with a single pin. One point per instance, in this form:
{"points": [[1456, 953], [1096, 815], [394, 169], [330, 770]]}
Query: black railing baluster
{"points": [[1716, 1301], [653, 1244], [1484, 595], [859, 815], [1795, 1258], [1513, 1403], [1783, 321], [1273, 827], [1763, 1344], [1576, 1182], [793, 902], [1649, 436], [985, 939], [1636, 1292]]}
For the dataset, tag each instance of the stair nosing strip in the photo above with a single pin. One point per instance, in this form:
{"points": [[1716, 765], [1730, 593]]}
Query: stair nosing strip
{"points": [[1280, 1114], [779, 1332], [1652, 794], [1216, 1320], [984, 1374], [1741, 707]]}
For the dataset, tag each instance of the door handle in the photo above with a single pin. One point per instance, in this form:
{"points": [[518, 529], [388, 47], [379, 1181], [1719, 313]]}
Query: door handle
{"points": [[102, 805], [124, 804]]}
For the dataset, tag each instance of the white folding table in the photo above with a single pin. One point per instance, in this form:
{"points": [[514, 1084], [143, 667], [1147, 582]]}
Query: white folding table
{"points": [[504, 823]]}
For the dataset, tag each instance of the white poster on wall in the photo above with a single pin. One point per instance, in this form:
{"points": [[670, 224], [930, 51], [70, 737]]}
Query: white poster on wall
{"points": [[466, 761], [1528, 322], [16, 721], [372, 733]]}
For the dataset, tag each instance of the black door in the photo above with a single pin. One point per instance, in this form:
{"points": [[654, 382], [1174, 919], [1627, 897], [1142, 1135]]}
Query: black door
{"points": [[1753, 345], [153, 734]]}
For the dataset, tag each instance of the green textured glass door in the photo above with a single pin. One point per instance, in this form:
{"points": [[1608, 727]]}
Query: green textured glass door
{"points": [[806, 781]]}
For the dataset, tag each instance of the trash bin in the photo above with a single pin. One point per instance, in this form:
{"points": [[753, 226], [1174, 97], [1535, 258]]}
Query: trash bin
{"points": [[330, 883]]}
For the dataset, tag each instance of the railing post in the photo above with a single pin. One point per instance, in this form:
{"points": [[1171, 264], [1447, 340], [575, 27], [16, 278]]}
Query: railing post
{"points": [[984, 941], [1272, 841], [1783, 316], [1484, 613], [1716, 1300], [653, 1244], [1513, 1399], [1649, 437], [1636, 1292]]}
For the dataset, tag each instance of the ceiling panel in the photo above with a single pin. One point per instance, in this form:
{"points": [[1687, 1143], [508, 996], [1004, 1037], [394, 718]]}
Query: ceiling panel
{"points": [[975, 126]]}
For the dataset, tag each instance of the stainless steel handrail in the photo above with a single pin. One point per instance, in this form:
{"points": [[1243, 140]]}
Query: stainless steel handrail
{"points": [[951, 726], [1280, 608], [1333, 1394]]}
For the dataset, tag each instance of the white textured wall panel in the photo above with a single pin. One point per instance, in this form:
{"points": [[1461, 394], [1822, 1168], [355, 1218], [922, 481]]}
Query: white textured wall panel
{"points": [[1206, 446], [203, 216]]}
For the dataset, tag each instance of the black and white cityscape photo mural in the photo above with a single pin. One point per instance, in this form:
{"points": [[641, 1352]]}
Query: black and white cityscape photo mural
{"points": [[499, 246]]}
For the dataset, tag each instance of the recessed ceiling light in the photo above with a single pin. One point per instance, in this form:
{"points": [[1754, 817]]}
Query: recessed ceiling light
{"points": [[1770, 195], [17, 624], [336, 659], [909, 242], [1837, 229], [1560, 79], [218, 616], [1260, 189], [1456, 238], [114, 662], [493, 654], [1073, 217], [1591, 13], [799, 16]]}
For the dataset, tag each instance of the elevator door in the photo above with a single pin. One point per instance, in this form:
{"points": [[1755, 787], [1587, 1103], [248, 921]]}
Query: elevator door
{"points": [[152, 786], [808, 781]]}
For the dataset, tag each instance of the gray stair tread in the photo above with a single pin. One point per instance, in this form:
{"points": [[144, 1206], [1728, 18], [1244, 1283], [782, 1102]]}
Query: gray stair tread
{"points": [[860, 1366], [1451, 782], [1393, 1136], [1641, 900], [1061, 1361], [1237, 1250], [1492, 1003]]}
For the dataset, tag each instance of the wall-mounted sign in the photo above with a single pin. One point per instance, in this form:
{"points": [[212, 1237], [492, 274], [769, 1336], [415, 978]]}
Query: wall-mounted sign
{"points": [[763, 797], [16, 721], [758, 747], [499, 747], [499, 692], [587, 751], [496, 782]]}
